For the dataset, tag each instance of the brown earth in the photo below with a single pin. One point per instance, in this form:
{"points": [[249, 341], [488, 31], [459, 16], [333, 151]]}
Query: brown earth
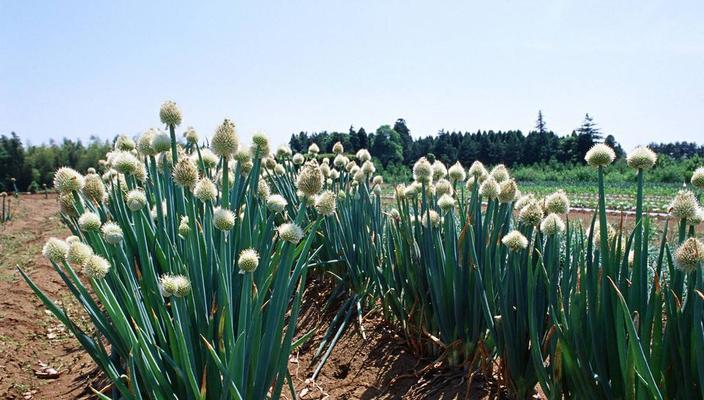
{"points": [[31, 339], [379, 367]]}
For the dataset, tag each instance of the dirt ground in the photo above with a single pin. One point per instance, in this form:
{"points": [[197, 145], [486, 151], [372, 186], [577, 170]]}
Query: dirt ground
{"points": [[31, 339], [379, 367]]}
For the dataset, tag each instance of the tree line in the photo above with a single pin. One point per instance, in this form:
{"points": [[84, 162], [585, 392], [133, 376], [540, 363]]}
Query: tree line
{"points": [[33, 165], [395, 145]]}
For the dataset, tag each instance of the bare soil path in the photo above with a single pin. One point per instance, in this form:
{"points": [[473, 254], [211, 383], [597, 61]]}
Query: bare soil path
{"points": [[31, 339]]}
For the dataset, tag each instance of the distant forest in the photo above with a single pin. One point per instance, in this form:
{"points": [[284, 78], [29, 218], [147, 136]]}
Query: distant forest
{"points": [[395, 145], [538, 155]]}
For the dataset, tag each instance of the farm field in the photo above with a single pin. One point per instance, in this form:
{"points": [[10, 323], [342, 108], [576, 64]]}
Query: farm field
{"points": [[377, 368], [372, 358]]}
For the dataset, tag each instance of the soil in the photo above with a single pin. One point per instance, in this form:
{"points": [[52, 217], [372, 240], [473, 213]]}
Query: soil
{"points": [[31, 339], [379, 367]]}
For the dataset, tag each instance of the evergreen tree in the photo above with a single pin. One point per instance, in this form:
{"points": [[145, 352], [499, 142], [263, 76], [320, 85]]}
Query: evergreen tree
{"points": [[611, 141], [406, 139], [587, 135], [354, 140], [540, 123], [362, 139], [387, 146]]}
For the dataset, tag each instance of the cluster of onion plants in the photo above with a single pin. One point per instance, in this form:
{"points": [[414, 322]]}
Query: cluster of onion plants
{"points": [[188, 266], [350, 238], [475, 273]]}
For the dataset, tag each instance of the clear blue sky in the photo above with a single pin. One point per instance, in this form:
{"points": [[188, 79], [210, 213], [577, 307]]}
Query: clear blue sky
{"points": [[73, 69]]}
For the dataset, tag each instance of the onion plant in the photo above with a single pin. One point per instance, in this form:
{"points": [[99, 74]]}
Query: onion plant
{"points": [[191, 277]]}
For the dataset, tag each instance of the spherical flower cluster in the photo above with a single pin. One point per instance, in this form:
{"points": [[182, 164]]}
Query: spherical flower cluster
{"points": [[698, 178], [174, 285], [443, 186], [557, 203], [191, 135], [359, 176], [136, 200], [276, 203], [67, 180], [477, 170], [269, 163], [161, 142], [78, 252], [552, 225], [596, 238], [439, 170], [689, 255], [368, 168], [283, 151], [290, 232], [470, 183], [72, 239], [457, 172], [423, 171], [313, 149], [600, 155], [326, 203], [94, 189], [279, 170], [446, 202], [489, 188], [96, 267], [500, 173], [144, 143], [411, 190], [431, 216], [363, 155], [225, 141], [205, 190], [310, 179], [210, 160], [524, 201], [684, 206], [641, 158], [89, 221], [337, 148], [340, 161], [223, 219], [298, 159], [263, 190], [55, 250], [378, 180], [67, 206], [531, 214], [507, 191], [125, 163], [698, 216], [183, 227], [124, 143], [248, 261], [260, 145], [515, 241], [112, 233], [185, 173], [170, 113]]}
